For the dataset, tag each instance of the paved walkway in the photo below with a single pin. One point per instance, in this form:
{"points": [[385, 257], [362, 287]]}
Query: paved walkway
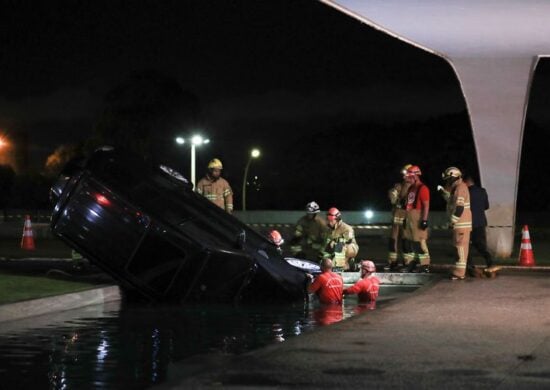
{"points": [[477, 333]]}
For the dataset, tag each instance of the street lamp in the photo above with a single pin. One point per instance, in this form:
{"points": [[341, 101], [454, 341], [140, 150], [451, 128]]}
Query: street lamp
{"points": [[254, 153], [195, 141]]}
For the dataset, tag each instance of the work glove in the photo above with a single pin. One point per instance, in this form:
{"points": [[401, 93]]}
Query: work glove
{"points": [[423, 224]]}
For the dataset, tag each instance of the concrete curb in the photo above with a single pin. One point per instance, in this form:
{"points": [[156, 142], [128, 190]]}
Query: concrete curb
{"points": [[48, 305]]}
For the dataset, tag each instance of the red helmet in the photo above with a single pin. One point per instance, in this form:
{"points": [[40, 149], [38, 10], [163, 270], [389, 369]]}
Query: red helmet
{"points": [[413, 170], [334, 214], [276, 238]]}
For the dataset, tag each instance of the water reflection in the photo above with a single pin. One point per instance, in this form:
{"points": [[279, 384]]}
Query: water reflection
{"points": [[130, 346]]}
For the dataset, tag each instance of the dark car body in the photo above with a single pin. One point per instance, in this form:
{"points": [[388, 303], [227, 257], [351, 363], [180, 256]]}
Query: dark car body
{"points": [[145, 226]]}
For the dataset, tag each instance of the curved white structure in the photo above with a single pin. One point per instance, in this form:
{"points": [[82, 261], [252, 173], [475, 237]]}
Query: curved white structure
{"points": [[493, 46]]}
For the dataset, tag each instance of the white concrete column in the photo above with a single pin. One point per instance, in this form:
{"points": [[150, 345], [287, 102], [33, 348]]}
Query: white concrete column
{"points": [[496, 92]]}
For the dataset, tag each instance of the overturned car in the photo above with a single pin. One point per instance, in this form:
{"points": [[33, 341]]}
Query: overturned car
{"points": [[145, 226]]}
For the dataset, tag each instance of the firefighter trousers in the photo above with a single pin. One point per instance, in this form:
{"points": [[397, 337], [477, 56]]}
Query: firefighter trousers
{"points": [[461, 241]]}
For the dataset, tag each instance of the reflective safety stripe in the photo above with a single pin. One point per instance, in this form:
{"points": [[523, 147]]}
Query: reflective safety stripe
{"points": [[408, 257], [463, 225], [398, 220]]}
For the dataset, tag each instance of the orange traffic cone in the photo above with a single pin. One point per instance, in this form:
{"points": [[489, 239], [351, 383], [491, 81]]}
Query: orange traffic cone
{"points": [[526, 256], [27, 242]]}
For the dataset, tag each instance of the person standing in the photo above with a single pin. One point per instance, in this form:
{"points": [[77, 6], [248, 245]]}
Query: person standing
{"points": [[341, 245], [328, 285], [460, 219], [416, 222], [215, 188], [479, 202], [309, 234], [368, 286], [398, 196]]}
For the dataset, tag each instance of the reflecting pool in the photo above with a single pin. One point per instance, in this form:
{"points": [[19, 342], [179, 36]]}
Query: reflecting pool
{"points": [[123, 345]]}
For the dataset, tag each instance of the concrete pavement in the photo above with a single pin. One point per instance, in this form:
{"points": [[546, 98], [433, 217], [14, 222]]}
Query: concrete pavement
{"points": [[477, 333]]}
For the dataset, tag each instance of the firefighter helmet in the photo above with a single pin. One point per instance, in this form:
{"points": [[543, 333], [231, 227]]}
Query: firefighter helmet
{"points": [[451, 172], [215, 163], [413, 170], [368, 266], [312, 208], [404, 169], [334, 214], [276, 238]]}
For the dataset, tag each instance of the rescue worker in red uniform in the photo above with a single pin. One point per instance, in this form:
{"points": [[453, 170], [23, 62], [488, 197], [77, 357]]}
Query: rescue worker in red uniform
{"points": [[215, 188], [328, 285], [341, 245], [460, 219], [368, 286], [416, 223], [276, 238], [398, 196], [309, 234]]}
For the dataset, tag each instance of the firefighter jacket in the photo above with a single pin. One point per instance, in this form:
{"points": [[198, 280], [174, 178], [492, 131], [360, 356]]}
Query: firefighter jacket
{"points": [[217, 191], [398, 195], [458, 208], [398, 200], [310, 233], [339, 238]]}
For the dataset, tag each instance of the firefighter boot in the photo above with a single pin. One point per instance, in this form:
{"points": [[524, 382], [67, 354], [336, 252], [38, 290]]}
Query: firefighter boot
{"points": [[411, 267], [391, 267]]}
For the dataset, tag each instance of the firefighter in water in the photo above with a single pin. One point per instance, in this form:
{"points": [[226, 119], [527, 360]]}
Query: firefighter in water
{"points": [[215, 188], [398, 196], [368, 286], [416, 222], [309, 234], [460, 218], [340, 241]]}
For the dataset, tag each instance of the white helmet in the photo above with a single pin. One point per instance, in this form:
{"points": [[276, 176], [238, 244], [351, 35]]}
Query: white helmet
{"points": [[451, 172], [312, 208]]}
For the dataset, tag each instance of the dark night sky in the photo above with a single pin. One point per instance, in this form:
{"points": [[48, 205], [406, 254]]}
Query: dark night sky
{"points": [[267, 73]]}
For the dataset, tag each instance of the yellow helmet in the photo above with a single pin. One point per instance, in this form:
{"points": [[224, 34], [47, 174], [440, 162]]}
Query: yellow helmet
{"points": [[215, 163], [405, 167]]}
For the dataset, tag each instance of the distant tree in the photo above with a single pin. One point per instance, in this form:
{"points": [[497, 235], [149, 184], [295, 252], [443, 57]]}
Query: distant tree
{"points": [[57, 160], [31, 192], [144, 114]]}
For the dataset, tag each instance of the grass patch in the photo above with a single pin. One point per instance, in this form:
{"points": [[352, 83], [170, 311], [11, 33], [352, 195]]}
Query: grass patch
{"points": [[15, 288]]}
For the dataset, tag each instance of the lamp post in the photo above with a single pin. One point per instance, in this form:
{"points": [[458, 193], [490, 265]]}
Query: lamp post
{"points": [[195, 141], [254, 153]]}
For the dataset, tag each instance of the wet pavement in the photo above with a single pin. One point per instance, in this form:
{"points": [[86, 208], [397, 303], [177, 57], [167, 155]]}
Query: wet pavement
{"points": [[477, 333]]}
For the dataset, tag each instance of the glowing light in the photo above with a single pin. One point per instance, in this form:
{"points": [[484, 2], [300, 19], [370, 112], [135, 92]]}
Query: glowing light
{"points": [[102, 200], [255, 153], [369, 214], [180, 140]]}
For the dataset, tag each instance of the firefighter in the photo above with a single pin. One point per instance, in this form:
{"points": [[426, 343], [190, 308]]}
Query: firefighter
{"points": [[340, 243], [416, 222], [368, 286], [215, 188], [398, 196], [309, 234], [460, 219]]}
